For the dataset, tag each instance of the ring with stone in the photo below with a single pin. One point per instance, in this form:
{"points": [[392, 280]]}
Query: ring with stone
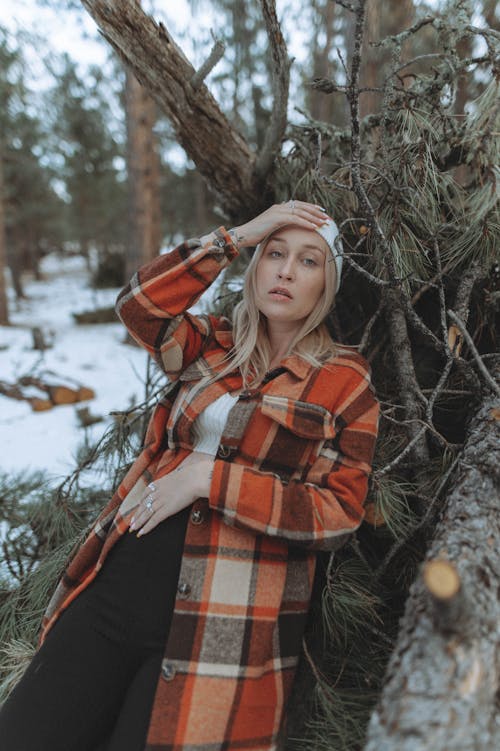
{"points": [[152, 486], [292, 206], [149, 503]]}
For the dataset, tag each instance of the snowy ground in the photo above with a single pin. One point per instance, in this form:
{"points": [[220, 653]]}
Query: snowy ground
{"points": [[95, 355]]}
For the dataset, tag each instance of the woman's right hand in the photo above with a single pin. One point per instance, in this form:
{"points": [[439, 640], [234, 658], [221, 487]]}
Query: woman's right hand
{"points": [[299, 213]]}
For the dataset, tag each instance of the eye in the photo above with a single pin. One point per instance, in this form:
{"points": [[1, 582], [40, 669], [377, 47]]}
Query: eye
{"points": [[309, 262], [274, 253]]}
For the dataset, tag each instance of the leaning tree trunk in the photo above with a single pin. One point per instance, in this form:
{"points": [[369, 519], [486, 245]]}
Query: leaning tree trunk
{"points": [[223, 157], [201, 127], [443, 679]]}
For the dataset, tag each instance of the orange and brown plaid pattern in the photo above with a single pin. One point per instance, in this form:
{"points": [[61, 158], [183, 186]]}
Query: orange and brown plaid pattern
{"points": [[290, 477]]}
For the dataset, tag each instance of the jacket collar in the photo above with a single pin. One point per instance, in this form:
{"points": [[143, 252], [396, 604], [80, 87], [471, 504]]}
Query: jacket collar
{"points": [[295, 364]]}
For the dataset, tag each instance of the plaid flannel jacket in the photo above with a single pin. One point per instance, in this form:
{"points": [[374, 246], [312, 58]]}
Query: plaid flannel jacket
{"points": [[290, 477]]}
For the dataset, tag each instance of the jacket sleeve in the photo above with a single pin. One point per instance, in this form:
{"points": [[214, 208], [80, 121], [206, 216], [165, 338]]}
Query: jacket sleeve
{"points": [[153, 305], [321, 511]]}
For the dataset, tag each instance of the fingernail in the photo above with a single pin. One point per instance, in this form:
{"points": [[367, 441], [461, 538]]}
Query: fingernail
{"points": [[140, 532], [321, 208]]}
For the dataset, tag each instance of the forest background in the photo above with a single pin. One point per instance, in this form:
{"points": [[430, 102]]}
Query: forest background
{"points": [[389, 118]]}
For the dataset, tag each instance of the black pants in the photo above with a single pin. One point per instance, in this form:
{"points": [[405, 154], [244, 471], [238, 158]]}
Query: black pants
{"points": [[90, 687]]}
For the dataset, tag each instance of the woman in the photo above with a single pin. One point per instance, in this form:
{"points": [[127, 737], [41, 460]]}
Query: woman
{"points": [[186, 633]]}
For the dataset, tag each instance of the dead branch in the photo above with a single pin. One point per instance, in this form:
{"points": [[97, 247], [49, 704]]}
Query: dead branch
{"points": [[216, 54], [477, 357]]}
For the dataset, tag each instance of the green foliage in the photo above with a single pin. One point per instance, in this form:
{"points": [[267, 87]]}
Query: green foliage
{"points": [[90, 156], [356, 631], [42, 525], [32, 207]]}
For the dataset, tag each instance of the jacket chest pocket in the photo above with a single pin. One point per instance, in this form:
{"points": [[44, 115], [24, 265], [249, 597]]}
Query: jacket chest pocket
{"points": [[301, 430]]}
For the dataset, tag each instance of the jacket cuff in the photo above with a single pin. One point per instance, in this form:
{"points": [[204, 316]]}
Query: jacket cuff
{"points": [[223, 247]]}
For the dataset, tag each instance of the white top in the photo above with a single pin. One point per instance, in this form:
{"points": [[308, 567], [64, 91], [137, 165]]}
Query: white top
{"points": [[209, 425]]}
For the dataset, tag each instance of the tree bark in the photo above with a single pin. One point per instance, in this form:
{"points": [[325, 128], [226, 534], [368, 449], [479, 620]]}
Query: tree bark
{"points": [[218, 150], [144, 237], [4, 308], [382, 19], [443, 679], [323, 107]]}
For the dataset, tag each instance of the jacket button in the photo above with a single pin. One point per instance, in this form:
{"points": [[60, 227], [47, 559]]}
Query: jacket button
{"points": [[223, 452], [167, 671], [184, 589], [197, 516]]}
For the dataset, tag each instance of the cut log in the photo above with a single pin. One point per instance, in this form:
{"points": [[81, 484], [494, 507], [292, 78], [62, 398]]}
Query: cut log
{"points": [[442, 683], [37, 399], [100, 315], [43, 394], [83, 393], [58, 393]]}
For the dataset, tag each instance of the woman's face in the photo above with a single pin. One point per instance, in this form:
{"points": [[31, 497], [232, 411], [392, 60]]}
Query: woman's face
{"points": [[290, 275]]}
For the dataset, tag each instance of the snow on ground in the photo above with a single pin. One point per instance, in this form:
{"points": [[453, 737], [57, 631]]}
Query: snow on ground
{"points": [[94, 355]]}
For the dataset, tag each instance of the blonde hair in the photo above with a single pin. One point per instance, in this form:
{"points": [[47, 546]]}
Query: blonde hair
{"points": [[251, 350]]}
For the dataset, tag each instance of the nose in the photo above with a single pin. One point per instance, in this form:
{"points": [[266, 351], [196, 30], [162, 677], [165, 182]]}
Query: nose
{"points": [[286, 269]]}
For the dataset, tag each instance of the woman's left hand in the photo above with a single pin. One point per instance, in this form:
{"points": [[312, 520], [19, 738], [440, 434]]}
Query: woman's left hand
{"points": [[171, 493]]}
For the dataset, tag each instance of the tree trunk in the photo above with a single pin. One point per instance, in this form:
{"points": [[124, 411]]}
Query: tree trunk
{"points": [[4, 310], [443, 679], [218, 150], [324, 107], [382, 19], [144, 239]]}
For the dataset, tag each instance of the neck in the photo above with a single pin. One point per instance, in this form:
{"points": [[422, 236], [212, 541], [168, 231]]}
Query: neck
{"points": [[280, 337]]}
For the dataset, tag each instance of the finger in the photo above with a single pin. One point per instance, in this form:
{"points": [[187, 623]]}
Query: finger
{"points": [[299, 210], [143, 512], [310, 208], [139, 519], [150, 523]]}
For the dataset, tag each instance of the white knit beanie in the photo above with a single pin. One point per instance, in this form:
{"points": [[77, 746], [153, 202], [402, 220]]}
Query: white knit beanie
{"points": [[329, 232]]}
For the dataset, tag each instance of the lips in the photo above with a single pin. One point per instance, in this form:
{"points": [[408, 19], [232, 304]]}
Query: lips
{"points": [[281, 291]]}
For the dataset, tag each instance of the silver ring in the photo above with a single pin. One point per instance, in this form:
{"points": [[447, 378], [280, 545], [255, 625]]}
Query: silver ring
{"points": [[292, 206], [149, 503], [152, 486]]}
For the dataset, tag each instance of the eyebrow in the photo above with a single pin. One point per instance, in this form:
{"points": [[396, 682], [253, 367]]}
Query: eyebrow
{"points": [[307, 246]]}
